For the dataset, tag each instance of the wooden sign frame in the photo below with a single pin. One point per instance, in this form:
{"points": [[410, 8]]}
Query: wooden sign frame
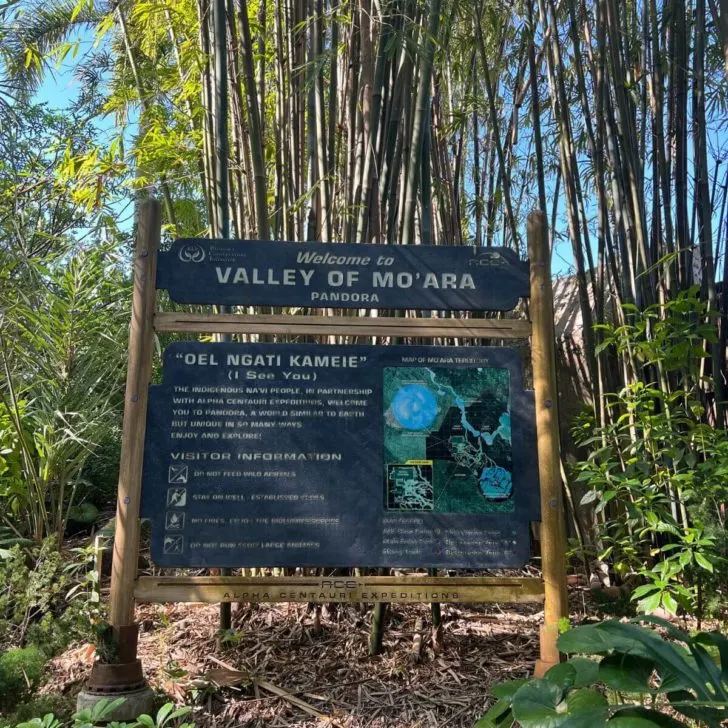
{"points": [[126, 588]]}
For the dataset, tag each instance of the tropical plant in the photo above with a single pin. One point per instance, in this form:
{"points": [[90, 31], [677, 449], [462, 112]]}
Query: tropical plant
{"points": [[41, 214], [654, 472], [62, 337], [47, 598], [633, 678], [101, 715]]}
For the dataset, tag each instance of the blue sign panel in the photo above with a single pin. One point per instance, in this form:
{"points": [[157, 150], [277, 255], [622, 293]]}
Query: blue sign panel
{"points": [[318, 455], [320, 275]]}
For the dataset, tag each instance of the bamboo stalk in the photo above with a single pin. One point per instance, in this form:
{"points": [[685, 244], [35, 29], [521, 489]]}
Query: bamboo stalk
{"points": [[420, 120]]}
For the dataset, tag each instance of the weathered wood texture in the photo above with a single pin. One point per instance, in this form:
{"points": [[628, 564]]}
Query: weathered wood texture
{"points": [[373, 589], [553, 531], [139, 374], [286, 324]]}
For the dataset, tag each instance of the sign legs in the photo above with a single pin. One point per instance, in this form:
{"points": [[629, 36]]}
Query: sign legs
{"points": [[124, 678], [553, 531]]}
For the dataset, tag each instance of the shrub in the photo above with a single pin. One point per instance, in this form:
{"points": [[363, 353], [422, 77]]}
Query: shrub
{"points": [[656, 472], [32, 586], [167, 717], [101, 471], [20, 670], [63, 331], [45, 597], [62, 706], [648, 679]]}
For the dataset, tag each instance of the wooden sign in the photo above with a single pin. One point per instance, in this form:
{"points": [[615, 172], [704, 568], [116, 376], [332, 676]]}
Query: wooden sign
{"points": [[400, 458], [322, 590], [254, 272]]}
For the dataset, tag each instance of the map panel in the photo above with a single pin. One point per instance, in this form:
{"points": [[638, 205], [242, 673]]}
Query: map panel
{"points": [[447, 440]]}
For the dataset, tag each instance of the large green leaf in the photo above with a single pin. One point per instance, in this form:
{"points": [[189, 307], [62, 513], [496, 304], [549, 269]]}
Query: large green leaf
{"points": [[666, 657], [670, 683], [540, 704], [485, 723], [578, 672], [593, 639], [685, 703], [709, 672], [586, 709], [626, 673], [716, 639], [535, 705], [507, 689], [499, 715]]}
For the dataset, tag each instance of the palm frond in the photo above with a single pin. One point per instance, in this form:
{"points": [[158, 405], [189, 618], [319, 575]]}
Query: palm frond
{"points": [[34, 31]]}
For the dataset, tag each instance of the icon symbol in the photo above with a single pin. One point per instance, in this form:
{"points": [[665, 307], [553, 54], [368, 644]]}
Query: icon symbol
{"points": [[174, 521], [174, 544], [192, 253], [178, 474], [176, 497]]}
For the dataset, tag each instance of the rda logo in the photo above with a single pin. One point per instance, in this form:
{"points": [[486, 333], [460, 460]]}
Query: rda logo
{"points": [[192, 253], [487, 259]]}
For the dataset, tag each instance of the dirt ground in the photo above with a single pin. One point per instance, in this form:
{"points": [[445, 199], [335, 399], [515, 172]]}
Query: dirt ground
{"points": [[325, 674]]}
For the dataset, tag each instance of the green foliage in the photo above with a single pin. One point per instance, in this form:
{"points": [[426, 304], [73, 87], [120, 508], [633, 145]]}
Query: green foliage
{"points": [[60, 705], [167, 717], [9, 538], [20, 671], [38, 218], [656, 472], [47, 598], [62, 347], [64, 316], [100, 473], [642, 674]]}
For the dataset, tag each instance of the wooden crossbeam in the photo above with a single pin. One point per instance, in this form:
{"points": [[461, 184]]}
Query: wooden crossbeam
{"points": [[231, 323], [372, 589]]}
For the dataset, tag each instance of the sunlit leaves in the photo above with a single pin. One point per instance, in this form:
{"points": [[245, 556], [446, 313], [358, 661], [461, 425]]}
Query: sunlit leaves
{"points": [[62, 355]]}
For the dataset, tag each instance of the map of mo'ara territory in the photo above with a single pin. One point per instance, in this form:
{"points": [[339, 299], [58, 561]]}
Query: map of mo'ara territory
{"points": [[447, 440]]}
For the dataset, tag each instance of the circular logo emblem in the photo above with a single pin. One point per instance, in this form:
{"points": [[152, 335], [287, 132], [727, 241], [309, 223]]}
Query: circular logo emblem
{"points": [[192, 253]]}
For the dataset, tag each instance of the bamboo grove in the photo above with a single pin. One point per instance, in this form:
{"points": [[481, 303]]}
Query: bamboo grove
{"points": [[442, 123]]}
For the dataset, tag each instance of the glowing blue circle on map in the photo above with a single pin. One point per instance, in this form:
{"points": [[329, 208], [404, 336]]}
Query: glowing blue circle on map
{"points": [[414, 407], [496, 483]]}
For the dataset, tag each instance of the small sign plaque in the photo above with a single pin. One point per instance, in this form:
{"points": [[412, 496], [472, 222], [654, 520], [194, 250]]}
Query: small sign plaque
{"points": [[321, 275], [319, 455]]}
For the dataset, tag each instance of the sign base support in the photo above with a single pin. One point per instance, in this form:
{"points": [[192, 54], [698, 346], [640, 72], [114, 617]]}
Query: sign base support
{"points": [[136, 703], [122, 679]]}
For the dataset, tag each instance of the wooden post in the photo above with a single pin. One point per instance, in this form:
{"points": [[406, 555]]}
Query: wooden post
{"points": [[438, 640], [543, 356], [376, 631], [139, 373]]}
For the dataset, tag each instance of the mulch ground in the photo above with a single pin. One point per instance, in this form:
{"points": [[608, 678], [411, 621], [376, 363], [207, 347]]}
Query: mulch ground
{"points": [[278, 669]]}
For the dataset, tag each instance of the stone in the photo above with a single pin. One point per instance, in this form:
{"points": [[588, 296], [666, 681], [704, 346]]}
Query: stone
{"points": [[136, 703]]}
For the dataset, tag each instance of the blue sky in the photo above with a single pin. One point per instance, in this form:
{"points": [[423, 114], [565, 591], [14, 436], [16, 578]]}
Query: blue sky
{"points": [[60, 88]]}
